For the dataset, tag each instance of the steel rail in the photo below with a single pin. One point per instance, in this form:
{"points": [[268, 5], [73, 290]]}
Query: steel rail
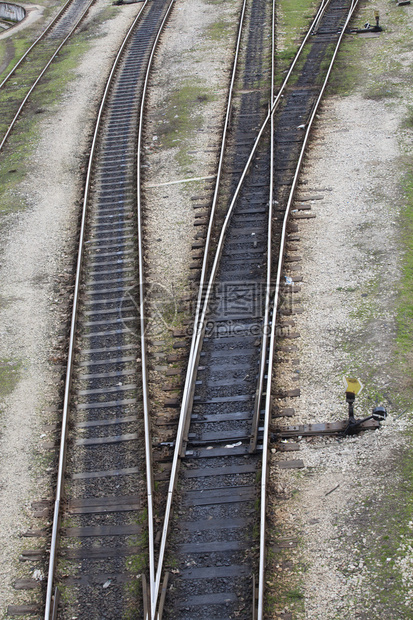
{"points": [[316, 25], [267, 304], [39, 38], [267, 415], [267, 308], [266, 329], [189, 383], [69, 366], [41, 74], [199, 329], [188, 387], [145, 395], [219, 170], [190, 375]]}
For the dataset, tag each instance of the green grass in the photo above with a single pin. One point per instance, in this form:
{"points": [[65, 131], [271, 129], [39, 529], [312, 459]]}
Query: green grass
{"points": [[404, 315], [378, 92], [284, 590], [22, 40], [348, 72], [25, 135], [388, 513], [19, 45], [182, 116], [219, 30], [14, 161], [381, 74], [408, 121], [137, 564], [293, 16], [61, 72], [9, 376], [14, 164], [386, 540], [294, 595]]}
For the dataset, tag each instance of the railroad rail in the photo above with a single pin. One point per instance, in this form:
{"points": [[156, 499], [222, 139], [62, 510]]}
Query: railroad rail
{"points": [[222, 440], [32, 66], [103, 462], [219, 423]]}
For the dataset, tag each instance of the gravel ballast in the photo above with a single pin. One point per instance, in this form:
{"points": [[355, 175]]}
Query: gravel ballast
{"points": [[351, 266]]}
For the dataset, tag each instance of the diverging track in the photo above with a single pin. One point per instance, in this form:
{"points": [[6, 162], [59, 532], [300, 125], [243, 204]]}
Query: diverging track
{"points": [[217, 547]]}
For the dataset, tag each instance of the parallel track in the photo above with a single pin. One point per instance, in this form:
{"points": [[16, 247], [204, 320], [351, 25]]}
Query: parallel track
{"points": [[103, 483], [216, 543], [34, 63]]}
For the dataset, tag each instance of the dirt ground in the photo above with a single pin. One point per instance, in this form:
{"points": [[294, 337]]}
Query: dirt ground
{"points": [[328, 552], [341, 526]]}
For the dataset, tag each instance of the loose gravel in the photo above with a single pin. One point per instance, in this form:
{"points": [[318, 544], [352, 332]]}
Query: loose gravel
{"points": [[351, 267]]}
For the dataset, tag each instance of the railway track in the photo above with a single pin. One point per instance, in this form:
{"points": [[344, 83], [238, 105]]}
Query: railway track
{"points": [[104, 486], [99, 527], [218, 537], [17, 86]]}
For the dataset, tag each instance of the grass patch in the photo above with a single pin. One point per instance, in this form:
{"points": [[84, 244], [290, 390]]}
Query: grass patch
{"points": [[284, 590], [20, 45], [137, 565], [218, 30], [404, 317], [61, 72], [381, 73], [23, 39], [293, 17], [25, 135], [378, 92], [9, 376], [14, 164], [408, 121], [182, 117], [294, 595], [348, 73], [11, 173], [386, 544]]}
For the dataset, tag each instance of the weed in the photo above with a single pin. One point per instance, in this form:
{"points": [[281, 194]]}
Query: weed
{"points": [[9, 376], [25, 134], [408, 120], [378, 92], [183, 116], [294, 595], [293, 16], [218, 30]]}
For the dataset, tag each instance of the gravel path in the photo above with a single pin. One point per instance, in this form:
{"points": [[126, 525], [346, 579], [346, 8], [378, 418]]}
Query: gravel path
{"points": [[350, 264]]}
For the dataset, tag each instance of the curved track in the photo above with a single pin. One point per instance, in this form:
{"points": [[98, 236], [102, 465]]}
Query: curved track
{"points": [[216, 542], [32, 66]]}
